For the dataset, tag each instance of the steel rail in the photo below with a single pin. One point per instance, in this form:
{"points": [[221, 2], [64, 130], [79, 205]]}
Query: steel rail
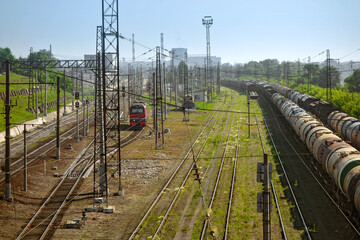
{"points": [[64, 137], [206, 221], [67, 172], [272, 186], [155, 201], [233, 178], [284, 171], [312, 174], [278, 210], [183, 182], [33, 134]]}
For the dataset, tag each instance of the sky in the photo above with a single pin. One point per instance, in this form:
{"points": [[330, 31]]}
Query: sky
{"points": [[242, 31]]}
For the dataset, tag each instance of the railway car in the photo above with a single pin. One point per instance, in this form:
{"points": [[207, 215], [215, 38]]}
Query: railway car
{"points": [[251, 87], [337, 158], [138, 114], [347, 127]]}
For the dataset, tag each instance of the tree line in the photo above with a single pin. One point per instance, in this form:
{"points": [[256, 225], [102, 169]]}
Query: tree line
{"points": [[300, 73], [41, 55]]}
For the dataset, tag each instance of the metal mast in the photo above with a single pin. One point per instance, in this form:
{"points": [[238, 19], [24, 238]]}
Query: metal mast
{"points": [[133, 47], [207, 21], [110, 86], [98, 132], [162, 47], [186, 90], [158, 110], [328, 75]]}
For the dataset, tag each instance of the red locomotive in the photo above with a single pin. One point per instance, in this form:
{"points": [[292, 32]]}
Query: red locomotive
{"points": [[138, 114]]}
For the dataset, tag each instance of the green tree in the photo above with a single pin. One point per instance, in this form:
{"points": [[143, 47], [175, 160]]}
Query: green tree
{"points": [[312, 71], [41, 55], [353, 82], [5, 54], [321, 81], [270, 67]]}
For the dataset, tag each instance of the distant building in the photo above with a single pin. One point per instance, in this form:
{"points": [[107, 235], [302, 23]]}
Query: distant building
{"points": [[200, 60], [109, 60], [199, 95], [179, 55]]}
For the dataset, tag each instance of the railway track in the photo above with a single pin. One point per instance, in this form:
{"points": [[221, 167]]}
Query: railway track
{"points": [[271, 182], [192, 168], [233, 176], [354, 234], [42, 220], [17, 163], [221, 174], [182, 171], [33, 136], [165, 213], [40, 223]]}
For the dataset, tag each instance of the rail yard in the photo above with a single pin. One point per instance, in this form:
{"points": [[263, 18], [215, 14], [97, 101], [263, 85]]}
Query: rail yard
{"points": [[170, 143]]}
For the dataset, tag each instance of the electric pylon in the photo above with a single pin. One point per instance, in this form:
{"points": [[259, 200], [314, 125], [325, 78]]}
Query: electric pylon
{"points": [[207, 21], [110, 86]]}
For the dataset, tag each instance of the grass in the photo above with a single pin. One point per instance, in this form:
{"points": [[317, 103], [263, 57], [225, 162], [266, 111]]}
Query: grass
{"points": [[18, 111], [14, 78]]}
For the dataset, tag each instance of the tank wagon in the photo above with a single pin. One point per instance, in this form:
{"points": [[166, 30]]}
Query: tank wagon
{"points": [[337, 158], [347, 127]]}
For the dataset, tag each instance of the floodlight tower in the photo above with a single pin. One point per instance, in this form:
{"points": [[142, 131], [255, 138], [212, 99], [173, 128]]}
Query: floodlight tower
{"points": [[207, 21]]}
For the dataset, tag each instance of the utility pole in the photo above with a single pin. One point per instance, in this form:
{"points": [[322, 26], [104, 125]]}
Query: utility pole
{"points": [[36, 95], [87, 116], [82, 104], [133, 47], [310, 75], [128, 87], [25, 160], [159, 133], [287, 73], [186, 90], [65, 113], [154, 104], [77, 105], [8, 196], [207, 21], [165, 105], [58, 119], [248, 105], [45, 108], [172, 73], [141, 80], [218, 78], [72, 90], [298, 78], [328, 75]]}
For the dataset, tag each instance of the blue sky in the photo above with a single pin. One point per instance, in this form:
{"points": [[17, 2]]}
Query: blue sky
{"points": [[242, 30]]}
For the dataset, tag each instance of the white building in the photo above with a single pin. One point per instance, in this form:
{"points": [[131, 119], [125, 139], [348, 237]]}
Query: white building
{"points": [[179, 55]]}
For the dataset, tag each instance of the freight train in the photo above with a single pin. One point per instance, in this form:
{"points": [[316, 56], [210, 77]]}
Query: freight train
{"points": [[347, 127], [338, 159]]}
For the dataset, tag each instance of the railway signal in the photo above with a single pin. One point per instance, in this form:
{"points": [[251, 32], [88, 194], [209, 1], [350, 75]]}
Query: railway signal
{"points": [[77, 95], [264, 198]]}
